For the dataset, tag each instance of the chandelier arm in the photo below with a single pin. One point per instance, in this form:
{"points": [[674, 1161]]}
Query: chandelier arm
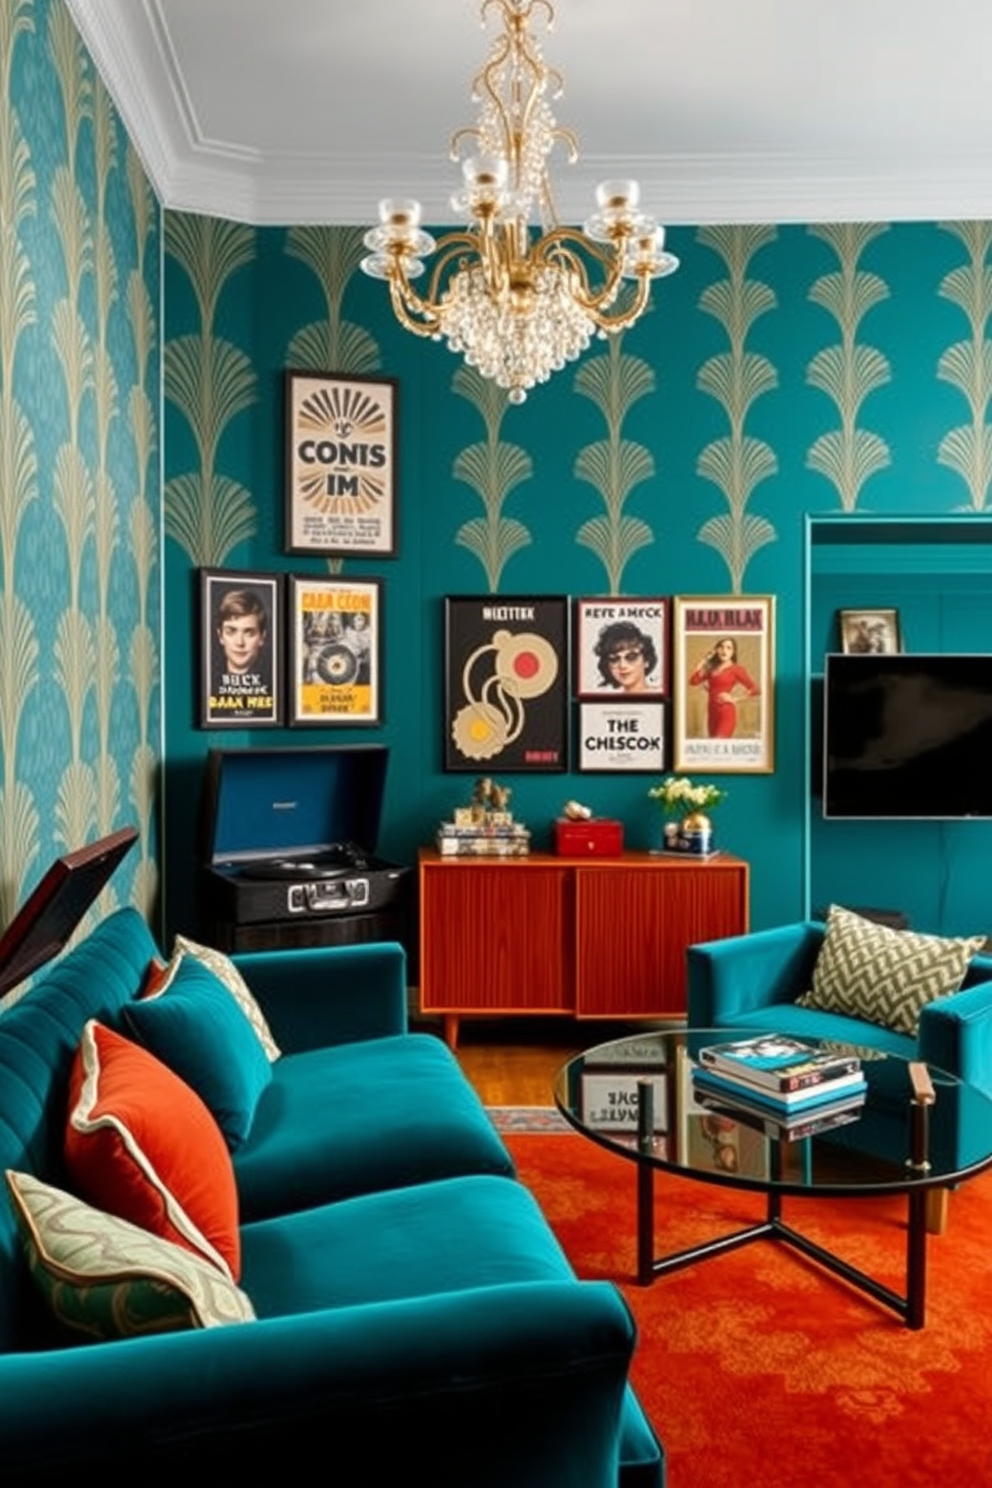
{"points": [[399, 291], [623, 319], [557, 246], [559, 241], [486, 82], [467, 131], [452, 245]]}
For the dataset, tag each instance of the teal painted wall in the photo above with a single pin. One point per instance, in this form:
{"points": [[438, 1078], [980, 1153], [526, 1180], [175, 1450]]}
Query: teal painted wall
{"points": [[783, 371], [80, 491]]}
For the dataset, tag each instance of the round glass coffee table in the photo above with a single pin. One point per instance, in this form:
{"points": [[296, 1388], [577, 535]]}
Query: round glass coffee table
{"points": [[651, 1098]]}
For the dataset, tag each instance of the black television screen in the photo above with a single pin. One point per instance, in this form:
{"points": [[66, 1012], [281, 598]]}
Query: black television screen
{"points": [[908, 736]]}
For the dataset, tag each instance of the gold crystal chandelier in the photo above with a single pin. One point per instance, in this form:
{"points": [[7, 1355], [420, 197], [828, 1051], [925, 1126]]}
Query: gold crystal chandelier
{"points": [[518, 301]]}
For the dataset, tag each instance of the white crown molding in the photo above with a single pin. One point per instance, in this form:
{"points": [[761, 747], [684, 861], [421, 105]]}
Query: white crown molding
{"points": [[189, 172], [127, 53]]}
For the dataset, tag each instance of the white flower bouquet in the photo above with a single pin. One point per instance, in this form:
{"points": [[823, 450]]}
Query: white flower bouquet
{"points": [[677, 796]]}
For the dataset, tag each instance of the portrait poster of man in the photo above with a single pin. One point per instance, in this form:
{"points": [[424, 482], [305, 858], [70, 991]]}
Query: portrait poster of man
{"points": [[724, 697], [336, 627], [506, 683], [621, 648], [240, 649]]}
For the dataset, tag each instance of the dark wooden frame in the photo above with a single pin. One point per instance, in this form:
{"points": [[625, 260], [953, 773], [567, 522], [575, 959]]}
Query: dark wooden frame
{"points": [[593, 617]]}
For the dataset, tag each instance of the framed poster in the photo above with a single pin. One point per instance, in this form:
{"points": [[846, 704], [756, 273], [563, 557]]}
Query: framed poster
{"points": [[724, 663], [621, 738], [341, 464], [240, 649], [506, 682], [621, 647], [869, 632], [336, 645]]}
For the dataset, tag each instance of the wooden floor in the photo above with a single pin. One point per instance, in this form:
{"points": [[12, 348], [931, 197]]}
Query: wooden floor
{"points": [[514, 1061]]}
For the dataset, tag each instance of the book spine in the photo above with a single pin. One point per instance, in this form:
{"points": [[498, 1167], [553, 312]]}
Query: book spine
{"points": [[774, 1080], [815, 1124], [498, 833], [766, 1100], [483, 847]]}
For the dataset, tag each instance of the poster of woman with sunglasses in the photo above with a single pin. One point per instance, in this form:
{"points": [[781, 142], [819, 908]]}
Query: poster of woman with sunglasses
{"points": [[621, 648]]}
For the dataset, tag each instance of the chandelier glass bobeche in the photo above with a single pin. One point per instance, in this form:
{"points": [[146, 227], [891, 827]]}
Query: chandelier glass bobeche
{"points": [[519, 301]]}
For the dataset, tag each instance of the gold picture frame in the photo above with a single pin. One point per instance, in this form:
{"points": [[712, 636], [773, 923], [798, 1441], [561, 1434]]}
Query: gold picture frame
{"points": [[724, 695]]}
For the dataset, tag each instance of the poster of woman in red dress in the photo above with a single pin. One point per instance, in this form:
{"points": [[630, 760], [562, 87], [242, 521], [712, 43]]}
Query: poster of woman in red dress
{"points": [[726, 682], [724, 661]]}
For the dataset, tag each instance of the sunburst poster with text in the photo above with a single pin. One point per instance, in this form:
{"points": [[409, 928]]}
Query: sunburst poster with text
{"points": [[341, 464]]}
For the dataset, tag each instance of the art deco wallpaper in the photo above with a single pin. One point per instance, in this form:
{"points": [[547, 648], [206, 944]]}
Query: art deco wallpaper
{"points": [[79, 466]]}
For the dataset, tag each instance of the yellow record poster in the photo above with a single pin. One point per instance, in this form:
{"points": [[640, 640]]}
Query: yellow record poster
{"points": [[336, 663]]}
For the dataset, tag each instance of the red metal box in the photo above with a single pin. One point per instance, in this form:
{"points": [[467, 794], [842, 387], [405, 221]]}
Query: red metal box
{"points": [[599, 837]]}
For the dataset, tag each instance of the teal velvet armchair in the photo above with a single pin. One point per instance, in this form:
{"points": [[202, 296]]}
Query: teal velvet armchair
{"points": [[752, 982]]}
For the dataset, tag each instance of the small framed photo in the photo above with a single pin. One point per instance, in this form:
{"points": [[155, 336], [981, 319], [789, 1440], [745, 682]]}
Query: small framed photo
{"points": [[341, 464], [506, 682], [621, 738], [610, 1100], [621, 648], [724, 663], [335, 652], [869, 632], [240, 649]]}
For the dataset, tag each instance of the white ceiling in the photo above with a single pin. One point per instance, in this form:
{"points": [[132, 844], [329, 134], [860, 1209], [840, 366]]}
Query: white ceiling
{"points": [[279, 111]]}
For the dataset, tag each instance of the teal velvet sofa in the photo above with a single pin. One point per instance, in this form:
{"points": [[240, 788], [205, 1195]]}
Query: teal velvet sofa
{"points": [[752, 982], [416, 1320]]}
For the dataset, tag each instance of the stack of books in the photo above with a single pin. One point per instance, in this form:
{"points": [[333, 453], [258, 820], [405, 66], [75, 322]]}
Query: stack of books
{"points": [[483, 840], [788, 1088]]}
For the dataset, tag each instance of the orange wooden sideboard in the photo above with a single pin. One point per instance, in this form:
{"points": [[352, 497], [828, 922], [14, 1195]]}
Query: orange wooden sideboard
{"points": [[589, 937]]}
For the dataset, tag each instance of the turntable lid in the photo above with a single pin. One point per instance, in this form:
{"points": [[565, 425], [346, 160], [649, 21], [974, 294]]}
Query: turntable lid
{"points": [[272, 802]]}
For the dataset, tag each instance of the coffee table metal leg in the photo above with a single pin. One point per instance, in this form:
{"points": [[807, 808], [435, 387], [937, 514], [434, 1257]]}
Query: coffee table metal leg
{"points": [[916, 1259], [645, 1224]]}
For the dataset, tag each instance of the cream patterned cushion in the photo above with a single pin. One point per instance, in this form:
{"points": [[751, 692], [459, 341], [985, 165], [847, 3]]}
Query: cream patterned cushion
{"points": [[884, 976], [110, 1279], [225, 971]]}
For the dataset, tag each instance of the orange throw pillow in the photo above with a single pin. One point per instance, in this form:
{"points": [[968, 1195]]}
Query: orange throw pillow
{"points": [[142, 1145]]}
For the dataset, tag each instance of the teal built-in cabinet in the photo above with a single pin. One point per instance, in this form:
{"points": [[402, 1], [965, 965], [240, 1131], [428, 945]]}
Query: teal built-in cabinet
{"points": [[937, 572]]}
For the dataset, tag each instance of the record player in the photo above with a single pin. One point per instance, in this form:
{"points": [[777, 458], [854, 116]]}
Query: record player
{"points": [[288, 849]]}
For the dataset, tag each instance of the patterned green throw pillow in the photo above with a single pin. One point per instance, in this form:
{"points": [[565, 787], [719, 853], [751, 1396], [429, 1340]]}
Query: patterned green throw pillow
{"points": [[110, 1279], [884, 976], [225, 971]]}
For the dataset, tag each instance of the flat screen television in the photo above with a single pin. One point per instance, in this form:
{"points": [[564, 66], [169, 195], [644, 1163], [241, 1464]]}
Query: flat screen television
{"points": [[908, 737]]}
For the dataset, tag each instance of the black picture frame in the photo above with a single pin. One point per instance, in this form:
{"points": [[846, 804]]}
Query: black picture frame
{"points": [[341, 464], [235, 695], [335, 663], [506, 671]]}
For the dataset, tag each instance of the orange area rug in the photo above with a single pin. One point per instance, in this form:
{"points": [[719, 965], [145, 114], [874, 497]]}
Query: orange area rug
{"points": [[760, 1370]]}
